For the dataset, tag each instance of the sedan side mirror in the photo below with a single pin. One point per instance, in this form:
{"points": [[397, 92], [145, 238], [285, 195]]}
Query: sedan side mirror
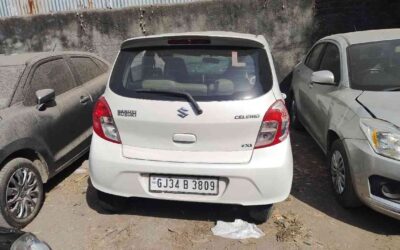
{"points": [[43, 97], [324, 77]]}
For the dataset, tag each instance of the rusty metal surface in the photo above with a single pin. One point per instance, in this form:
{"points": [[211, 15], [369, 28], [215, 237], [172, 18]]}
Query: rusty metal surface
{"points": [[31, 7]]}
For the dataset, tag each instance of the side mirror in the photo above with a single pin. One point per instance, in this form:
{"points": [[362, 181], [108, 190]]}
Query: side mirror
{"points": [[43, 97], [323, 77]]}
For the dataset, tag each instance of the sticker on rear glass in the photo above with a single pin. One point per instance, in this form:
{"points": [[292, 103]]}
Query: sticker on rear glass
{"points": [[235, 60]]}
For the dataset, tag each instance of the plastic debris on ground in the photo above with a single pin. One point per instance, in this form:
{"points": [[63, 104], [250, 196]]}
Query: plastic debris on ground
{"points": [[238, 229]]}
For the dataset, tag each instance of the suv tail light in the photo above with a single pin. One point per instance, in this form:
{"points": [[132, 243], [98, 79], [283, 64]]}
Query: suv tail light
{"points": [[275, 126], [103, 122]]}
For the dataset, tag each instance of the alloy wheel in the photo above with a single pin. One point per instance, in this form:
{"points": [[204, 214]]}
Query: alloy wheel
{"points": [[22, 193], [338, 172]]}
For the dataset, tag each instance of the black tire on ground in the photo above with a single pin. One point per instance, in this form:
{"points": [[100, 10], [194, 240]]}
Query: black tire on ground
{"points": [[260, 214], [111, 203], [348, 197], [294, 120], [35, 196]]}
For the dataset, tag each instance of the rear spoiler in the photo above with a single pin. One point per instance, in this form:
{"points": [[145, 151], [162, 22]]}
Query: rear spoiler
{"points": [[173, 41]]}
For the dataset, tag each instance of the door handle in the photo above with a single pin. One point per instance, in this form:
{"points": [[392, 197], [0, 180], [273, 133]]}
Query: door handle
{"points": [[84, 99], [311, 85]]}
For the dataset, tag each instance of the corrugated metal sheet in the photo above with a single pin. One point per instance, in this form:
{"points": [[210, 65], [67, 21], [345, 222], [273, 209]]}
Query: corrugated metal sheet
{"points": [[29, 7]]}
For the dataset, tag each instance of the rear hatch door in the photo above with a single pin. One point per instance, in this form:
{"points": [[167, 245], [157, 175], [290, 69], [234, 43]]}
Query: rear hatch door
{"points": [[230, 84], [172, 131]]}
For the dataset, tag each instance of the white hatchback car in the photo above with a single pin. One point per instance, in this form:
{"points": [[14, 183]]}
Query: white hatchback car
{"points": [[193, 117]]}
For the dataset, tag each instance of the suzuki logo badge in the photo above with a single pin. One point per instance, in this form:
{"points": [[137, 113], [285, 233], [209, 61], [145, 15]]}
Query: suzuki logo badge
{"points": [[182, 112]]}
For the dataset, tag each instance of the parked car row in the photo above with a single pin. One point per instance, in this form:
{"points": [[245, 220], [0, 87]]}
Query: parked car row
{"points": [[200, 117]]}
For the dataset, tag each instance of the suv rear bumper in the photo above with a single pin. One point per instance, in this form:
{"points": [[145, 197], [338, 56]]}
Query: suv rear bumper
{"points": [[266, 179]]}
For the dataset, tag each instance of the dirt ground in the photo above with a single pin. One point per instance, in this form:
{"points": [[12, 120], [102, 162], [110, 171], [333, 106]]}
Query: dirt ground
{"points": [[309, 219]]}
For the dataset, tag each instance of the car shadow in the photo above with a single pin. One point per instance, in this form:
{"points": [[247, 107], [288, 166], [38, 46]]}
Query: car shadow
{"points": [[173, 209], [60, 177], [312, 185]]}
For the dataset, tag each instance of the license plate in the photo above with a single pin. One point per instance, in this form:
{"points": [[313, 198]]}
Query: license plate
{"points": [[183, 185]]}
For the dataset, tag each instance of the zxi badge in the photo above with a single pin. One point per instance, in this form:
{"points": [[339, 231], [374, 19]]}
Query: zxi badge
{"points": [[182, 112]]}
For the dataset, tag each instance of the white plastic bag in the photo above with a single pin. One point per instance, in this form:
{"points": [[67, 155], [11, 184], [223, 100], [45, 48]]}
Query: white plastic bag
{"points": [[238, 229]]}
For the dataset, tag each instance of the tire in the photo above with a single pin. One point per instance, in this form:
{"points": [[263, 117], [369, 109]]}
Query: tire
{"points": [[21, 193], [341, 177], [294, 120], [111, 203], [260, 214]]}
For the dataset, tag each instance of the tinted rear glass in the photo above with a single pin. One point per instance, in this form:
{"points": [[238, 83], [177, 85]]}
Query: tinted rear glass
{"points": [[208, 74], [8, 82]]}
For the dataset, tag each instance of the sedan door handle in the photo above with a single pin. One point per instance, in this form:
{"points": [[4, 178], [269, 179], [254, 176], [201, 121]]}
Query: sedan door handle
{"points": [[85, 99]]}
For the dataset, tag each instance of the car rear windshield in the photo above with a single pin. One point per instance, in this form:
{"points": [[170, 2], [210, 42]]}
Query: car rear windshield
{"points": [[375, 66], [208, 74], [8, 82]]}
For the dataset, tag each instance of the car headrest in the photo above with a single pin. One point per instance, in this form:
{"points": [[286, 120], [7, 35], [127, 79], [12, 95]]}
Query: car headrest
{"points": [[175, 68]]}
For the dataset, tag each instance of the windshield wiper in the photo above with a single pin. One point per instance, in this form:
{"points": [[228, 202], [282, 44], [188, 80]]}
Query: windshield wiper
{"points": [[392, 89], [186, 95]]}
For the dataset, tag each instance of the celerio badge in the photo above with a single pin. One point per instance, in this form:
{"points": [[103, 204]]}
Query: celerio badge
{"points": [[240, 117]]}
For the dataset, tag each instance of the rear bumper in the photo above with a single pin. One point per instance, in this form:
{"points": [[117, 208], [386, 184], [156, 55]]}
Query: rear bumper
{"points": [[266, 179], [365, 163]]}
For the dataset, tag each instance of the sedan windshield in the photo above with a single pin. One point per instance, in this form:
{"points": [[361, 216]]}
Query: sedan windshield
{"points": [[8, 81], [375, 66]]}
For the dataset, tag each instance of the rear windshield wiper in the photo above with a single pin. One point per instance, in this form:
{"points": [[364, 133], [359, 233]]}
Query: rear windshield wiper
{"points": [[392, 89], [186, 95]]}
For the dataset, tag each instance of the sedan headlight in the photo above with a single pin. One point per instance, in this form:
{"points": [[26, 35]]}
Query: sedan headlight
{"points": [[384, 137]]}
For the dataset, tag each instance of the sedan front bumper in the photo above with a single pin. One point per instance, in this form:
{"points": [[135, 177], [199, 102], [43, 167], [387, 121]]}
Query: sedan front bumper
{"points": [[365, 163]]}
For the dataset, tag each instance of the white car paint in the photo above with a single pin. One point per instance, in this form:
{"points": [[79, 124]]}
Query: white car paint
{"points": [[220, 145]]}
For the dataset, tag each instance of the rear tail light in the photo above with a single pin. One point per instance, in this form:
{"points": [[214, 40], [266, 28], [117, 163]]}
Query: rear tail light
{"points": [[103, 122], [275, 126]]}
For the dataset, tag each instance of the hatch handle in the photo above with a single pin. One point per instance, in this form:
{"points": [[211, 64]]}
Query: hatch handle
{"points": [[184, 138]]}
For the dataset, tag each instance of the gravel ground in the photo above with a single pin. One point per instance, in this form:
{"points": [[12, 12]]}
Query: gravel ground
{"points": [[309, 219]]}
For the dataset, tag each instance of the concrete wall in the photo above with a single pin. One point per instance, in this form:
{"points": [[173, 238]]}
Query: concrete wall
{"points": [[338, 16], [289, 25]]}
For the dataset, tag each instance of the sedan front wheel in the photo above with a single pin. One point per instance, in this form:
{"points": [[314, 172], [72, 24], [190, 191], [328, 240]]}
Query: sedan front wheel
{"points": [[341, 178]]}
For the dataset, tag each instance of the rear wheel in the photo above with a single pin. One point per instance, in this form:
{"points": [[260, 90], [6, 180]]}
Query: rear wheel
{"points": [[21, 193], [341, 178], [260, 214], [294, 120], [111, 203]]}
